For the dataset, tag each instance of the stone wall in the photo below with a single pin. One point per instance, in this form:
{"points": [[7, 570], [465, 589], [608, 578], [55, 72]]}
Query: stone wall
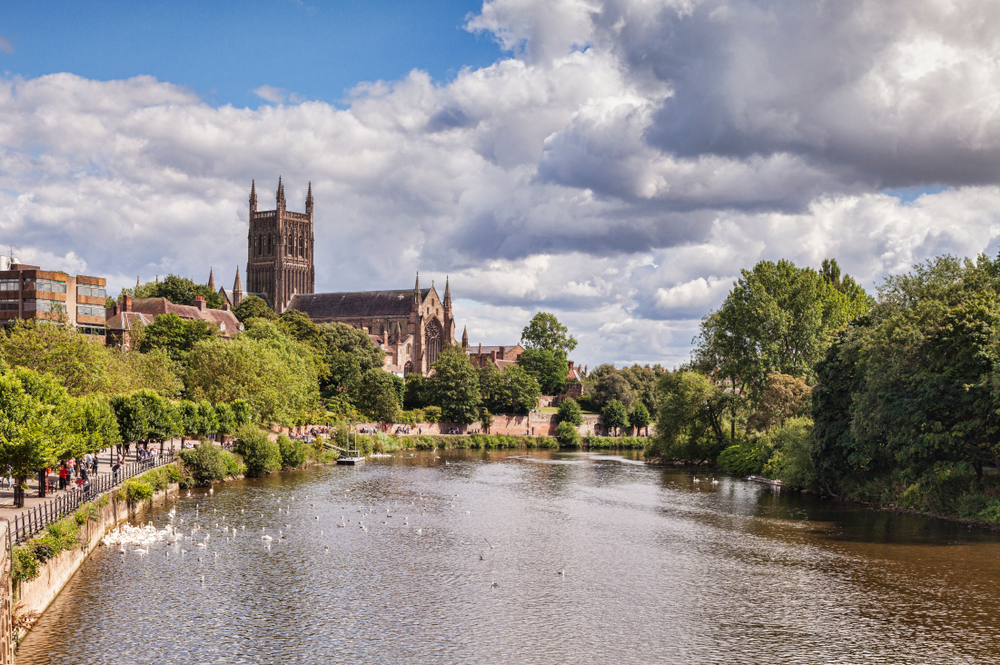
{"points": [[36, 595], [6, 602]]}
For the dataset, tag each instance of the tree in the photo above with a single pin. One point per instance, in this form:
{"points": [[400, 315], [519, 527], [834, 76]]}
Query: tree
{"points": [[174, 335], [349, 353], [546, 333], [777, 318], [548, 366], [301, 328], [260, 455], [611, 387], [454, 386], [515, 391], [161, 418], [253, 307], [690, 422], [567, 435], [614, 416], [485, 419], [225, 417], [178, 290], [188, 417], [784, 397], [208, 423], [415, 393], [377, 396], [130, 415], [81, 365], [569, 412], [638, 417]]}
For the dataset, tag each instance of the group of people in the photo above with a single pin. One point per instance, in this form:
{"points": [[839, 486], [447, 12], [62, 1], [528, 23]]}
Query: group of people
{"points": [[77, 471]]}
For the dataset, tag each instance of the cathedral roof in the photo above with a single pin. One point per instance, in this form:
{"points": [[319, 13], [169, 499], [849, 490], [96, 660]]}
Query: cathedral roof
{"points": [[322, 306]]}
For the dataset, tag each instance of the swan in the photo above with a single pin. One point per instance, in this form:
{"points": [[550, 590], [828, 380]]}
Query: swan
{"points": [[266, 537]]}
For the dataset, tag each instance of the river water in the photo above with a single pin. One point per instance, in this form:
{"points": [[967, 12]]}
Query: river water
{"points": [[655, 568]]}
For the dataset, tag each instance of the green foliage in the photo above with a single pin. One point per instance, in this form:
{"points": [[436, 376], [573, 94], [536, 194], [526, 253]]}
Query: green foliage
{"points": [[548, 366], [784, 397], [611, 386], [742, 459], [178, 290], [260, 455], [174, 336], [485, 419], [569, 412], [206, 463], [454, 386], [225, 418], [567, 435], [24, 565], [638, 417], [788, 448], [33, 429], [614, 416], [777, 318], [377, 396], [545, 332], [415, 393], [276, 376], [512, 390], [253, 307], [160, 416], [293, 452], [690, 422], [135, 490], [614, 443], [349, 353]]}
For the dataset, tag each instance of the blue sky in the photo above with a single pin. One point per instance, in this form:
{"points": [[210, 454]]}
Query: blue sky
{"points": [[622, 186], [224, 49]]}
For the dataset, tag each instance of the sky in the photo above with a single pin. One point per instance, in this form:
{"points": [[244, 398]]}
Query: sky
{"points": [[614, 162]]}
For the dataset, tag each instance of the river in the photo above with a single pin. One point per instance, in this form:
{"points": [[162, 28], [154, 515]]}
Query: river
{"points": [[596, 559]]}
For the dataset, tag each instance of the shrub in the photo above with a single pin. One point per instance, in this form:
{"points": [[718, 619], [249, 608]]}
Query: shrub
{"points": [[135, 490], [260, 455], [741, 460], [24, 565], [569, 411], [432, 414], [209, 463], [293, 452], [567, 435], [792, 459]]}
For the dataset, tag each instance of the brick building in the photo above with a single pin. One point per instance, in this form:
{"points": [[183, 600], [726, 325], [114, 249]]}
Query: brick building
{"points": [[28, 292], [129, 313]]}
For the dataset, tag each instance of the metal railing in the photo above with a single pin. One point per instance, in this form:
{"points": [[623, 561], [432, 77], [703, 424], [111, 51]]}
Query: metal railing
{"points": [[30, 522]]}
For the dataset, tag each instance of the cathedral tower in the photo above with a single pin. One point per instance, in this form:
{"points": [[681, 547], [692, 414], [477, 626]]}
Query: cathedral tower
{"points": [[280, 250]]}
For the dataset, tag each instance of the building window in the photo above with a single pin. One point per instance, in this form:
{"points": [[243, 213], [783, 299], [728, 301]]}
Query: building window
{"points": [[433, 345], [92, 330], [34, 305], [90, 310], [50, 285], [8, 305], [9, 284], [91, 291]]}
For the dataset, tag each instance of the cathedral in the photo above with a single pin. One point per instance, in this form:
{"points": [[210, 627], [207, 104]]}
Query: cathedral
{"points": [[410, 325]]}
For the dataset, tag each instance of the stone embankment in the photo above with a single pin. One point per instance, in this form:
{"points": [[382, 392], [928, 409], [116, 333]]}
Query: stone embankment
{"points": [[31, 598]]}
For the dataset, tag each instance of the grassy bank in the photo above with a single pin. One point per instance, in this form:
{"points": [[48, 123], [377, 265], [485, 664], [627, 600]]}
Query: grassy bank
{"points": [[387, 443]]}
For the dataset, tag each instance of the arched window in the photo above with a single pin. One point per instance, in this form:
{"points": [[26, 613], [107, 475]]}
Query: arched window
{"points": [[433, 343], [408, 368]]}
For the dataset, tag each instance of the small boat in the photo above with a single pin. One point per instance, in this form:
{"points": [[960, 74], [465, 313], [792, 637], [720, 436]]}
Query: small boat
{"points": [[350, 460], [763, 481]]}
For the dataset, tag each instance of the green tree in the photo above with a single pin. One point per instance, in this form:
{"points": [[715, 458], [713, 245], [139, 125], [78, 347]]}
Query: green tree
{"points": [[515, 391], [454, 386], [777, 318], [377, 396], [548, 366], [130, 415], [31, 429], [546, 333], [253, 307], [349, 354], [485, 419], [569, 412], [81, 365], [638, 417], [174, 335], [784, 397], [415, 393], [691, 419], [161, 418], [293, 453], [610, 387], [208, 423], [178, 290], [260, 455], [614, 416], [188, 418], [301, 328], [567, 435], [225, 417]]}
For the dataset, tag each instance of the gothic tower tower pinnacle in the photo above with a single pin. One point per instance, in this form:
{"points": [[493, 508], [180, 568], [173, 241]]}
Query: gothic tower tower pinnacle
{"points": [[280, 258]]}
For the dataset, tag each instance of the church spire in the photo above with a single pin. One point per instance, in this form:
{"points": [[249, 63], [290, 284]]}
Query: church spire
{"points": [[465, 337], [281, 194], [416, 290], [447, 292], [253, 197], [309, 199], [211, 280], [237, 288]]}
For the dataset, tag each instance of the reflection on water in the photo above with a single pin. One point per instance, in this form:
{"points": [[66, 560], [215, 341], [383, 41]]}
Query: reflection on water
{"points": [[657, 568]]}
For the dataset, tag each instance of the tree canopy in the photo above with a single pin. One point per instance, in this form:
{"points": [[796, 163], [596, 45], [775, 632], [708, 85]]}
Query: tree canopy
{"points": [[545, 332]]}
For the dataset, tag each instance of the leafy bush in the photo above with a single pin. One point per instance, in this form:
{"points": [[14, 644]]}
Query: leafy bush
{"points": [[567, 434], [260, 455], [206, 463], [432, 414], [791, 461], [24, 565], [569, 411], [293, 452], [741, 460], [135, 490], [615, 442]]}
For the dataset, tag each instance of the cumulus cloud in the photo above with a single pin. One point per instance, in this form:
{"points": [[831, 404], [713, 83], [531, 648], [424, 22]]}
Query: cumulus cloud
{"points": [[619, 168]]}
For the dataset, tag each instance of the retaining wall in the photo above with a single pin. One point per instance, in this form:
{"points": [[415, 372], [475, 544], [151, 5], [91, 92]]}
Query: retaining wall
{"points": [[36, 595]]}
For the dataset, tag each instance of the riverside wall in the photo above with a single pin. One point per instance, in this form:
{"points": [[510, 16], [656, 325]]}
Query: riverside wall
{"points": [[33, 597], [533, 424]]}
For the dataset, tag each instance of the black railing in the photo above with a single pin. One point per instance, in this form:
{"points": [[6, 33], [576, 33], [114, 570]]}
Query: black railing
{"points": [[30, 522]]}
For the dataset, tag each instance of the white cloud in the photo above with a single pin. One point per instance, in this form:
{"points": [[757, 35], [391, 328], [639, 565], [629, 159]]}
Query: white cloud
{"points": [[618, 169]]}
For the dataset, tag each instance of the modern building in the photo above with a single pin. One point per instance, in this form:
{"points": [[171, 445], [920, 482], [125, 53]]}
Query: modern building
{"points": [[28, 292]]}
